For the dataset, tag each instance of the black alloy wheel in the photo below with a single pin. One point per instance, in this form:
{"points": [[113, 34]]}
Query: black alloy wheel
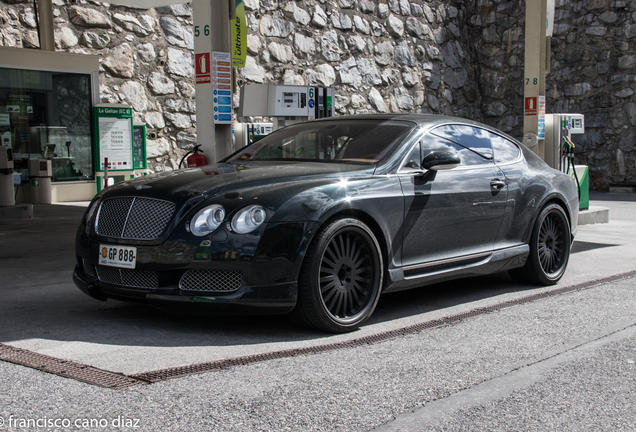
{"points": [[549, 248], [341, 277], [552, 244]]}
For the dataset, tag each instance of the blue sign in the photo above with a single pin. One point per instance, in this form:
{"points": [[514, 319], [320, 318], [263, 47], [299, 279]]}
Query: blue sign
{"points": [[311, 103]]}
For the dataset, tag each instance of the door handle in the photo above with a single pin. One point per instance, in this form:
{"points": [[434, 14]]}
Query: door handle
{"points": [[497, 184]]}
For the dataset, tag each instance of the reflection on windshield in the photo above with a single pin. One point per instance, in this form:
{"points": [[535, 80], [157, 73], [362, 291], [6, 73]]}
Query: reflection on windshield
{"points": [[356, 141]]}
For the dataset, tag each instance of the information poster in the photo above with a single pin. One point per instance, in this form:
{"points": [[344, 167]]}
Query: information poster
{"points": [[222, 87], [541, 127], [114, 137], [139, 147]]}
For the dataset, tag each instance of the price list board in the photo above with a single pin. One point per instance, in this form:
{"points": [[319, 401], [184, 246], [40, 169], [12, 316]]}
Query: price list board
{"points": [[113, 138]]}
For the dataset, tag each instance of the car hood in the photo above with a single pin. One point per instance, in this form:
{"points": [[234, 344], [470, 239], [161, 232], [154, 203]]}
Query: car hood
{"points": [[222, 178]]}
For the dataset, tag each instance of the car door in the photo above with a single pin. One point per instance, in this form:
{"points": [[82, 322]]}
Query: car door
{"points": [[452, 217]]}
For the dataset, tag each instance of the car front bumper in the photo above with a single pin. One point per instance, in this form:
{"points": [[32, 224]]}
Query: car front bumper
{"points": [[265, 268], [247, 300]]}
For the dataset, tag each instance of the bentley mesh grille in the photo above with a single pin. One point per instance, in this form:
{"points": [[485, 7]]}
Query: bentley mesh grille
{"points": [[211, 280], [133, 218], [128, 277]]}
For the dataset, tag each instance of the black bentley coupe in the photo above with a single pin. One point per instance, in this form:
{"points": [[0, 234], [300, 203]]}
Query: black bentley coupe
{"points": [[318, 219]]}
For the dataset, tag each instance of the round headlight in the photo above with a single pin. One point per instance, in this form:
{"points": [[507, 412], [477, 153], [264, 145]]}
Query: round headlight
{"points": [[248, 219], [207, 220]]}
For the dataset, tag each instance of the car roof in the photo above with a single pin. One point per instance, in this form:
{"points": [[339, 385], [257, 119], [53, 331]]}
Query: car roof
{"points": [[422, 119]]}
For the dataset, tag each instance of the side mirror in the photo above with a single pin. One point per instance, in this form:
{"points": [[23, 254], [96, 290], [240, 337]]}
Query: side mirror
{"points": [[438, 161]]}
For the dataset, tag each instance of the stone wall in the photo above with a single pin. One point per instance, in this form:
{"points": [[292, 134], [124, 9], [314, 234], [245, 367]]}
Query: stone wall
{"points": [[145, 61], [451, 57]]}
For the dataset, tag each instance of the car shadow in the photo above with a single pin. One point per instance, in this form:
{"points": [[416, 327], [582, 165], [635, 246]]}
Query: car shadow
{"points": [[75, 317], [40, 302]]}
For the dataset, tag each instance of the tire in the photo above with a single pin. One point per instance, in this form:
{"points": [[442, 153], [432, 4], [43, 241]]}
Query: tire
{"points": [[549, 248], [340, 278]]}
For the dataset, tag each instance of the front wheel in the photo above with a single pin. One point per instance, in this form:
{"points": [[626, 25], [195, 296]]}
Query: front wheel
{"points": [[341, 277], [549, 249]]}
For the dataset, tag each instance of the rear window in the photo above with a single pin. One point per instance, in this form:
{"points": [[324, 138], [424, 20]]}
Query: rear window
{"points": [[355, 141], [505, 150]]}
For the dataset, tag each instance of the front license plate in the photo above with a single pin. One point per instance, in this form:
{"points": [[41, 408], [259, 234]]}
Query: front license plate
{"points": [[118, 256]]}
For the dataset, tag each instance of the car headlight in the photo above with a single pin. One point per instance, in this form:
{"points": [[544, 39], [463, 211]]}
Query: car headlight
{"points": [[248, 219], [207, 220]]}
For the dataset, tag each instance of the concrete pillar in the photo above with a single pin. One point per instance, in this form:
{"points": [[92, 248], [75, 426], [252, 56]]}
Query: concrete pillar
{"points": [[211, 20]]}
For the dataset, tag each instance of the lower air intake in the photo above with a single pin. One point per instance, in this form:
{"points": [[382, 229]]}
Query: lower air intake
{"points": [[127, 277], [211, 280]]}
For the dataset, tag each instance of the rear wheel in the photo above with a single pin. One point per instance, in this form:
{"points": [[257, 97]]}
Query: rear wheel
{"points": [[549, 248], [341, 277]]}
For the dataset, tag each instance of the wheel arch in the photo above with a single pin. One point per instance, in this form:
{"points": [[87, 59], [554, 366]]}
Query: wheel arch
{"points": [[375, 228], [551, 199], [561, 202]]}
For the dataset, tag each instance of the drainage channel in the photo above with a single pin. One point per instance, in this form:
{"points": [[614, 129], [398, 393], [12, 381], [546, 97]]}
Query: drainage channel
{"points": [[118, 381]]}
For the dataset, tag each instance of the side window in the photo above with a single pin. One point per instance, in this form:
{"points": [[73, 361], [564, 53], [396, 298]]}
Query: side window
{"points": [[470, 143], [414, 160], [434, 143], [505, 150]]}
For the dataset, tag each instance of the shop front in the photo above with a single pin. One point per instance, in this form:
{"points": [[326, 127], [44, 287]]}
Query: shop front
{"points": [[46, 101]]}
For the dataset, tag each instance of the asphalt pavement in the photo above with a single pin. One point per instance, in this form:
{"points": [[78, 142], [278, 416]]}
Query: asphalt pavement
{"points": [[512, 357]]}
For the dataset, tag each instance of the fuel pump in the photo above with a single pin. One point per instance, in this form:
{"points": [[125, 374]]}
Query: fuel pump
{"points": [[568, 154], [559, 150], [285, 105]]}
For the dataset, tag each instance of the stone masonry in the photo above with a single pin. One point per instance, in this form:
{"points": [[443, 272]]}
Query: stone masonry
{"points": [[449, 57]]}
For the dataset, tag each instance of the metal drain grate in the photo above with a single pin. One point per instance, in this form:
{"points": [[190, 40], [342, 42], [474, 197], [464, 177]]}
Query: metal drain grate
{"points": [[179, 372], [103, 378], [67, 369]]}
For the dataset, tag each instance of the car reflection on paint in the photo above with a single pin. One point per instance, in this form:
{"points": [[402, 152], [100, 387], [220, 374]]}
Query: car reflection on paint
{"points": [[318, 219]]}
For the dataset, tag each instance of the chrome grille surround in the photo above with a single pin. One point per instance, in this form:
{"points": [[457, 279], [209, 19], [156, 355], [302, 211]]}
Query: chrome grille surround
{"points": [[127, 277], [133, 218], [211, 280]]}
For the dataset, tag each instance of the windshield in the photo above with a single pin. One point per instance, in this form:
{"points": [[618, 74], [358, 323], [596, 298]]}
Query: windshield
{"points": [[354, 141]]}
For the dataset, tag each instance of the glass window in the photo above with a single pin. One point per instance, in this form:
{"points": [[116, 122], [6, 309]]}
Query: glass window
{"points": [[473, 138], [358, 141], [48, 115], [505, 150], [449, 140], [414, 159]]}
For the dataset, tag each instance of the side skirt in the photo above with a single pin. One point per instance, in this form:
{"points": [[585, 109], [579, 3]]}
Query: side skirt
{"points": [[404, 278]]}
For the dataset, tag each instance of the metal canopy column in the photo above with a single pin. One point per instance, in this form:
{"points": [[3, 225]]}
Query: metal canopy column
{"points": [[211, 20], [534, 68], [46, 26]]}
